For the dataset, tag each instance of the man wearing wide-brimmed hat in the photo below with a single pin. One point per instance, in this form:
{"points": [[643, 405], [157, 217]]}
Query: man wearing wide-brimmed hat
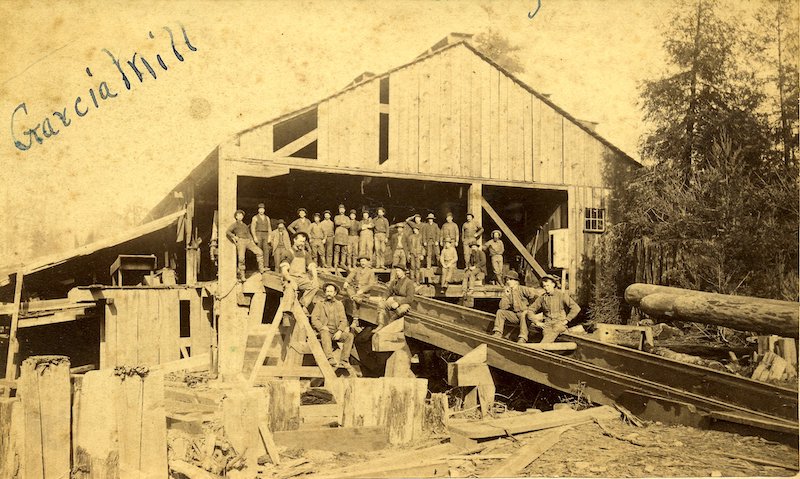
{"points": [[328, 228], [431, 240], [330, 321], [515, 307], [381, 237], [557, 308], [416, 252], [240, 235], [316, 237], [398, 298], [495, 249], [353, 230], [470, 231]]}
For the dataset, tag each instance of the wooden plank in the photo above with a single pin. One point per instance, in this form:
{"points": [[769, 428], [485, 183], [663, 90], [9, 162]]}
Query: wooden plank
{"points": [[169, 326], [486, 90], [427, 97], [540, 272], [56, 318], [341, 439], [516, 130], [514, 465], [400, 99], [559, 346], [45, 391], [13, 342], [126, 327], [474, 101], [251, 370], [323, 118], [269, 442], [94, 427], [374, 467], [256, 309], [463, 77], [532, 422], [283, 411], [265, 373], [396, 403], [200, 328], [527, 135], [435, 113], [468, 374], [494, 129], [12, 438], [197, 362], [242, 412], [397, 109], [298, 144], [452, 152], [414, 121], [373, 127], [149, 328], [477, 355]]}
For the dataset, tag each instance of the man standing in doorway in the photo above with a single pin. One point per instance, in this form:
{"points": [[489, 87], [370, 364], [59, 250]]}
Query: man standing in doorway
{"points": [[301, 224], [431, 240], [381, 238], [495, 249], [260, 228], [317, 237], [450, 231], [340, 238], [354, 228], [416, 252], [449, 259], [366, 237], [475, 270], [327, 227]]}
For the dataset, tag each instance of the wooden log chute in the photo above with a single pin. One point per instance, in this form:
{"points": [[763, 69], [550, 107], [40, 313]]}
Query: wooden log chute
{"points": [[744, 313]]}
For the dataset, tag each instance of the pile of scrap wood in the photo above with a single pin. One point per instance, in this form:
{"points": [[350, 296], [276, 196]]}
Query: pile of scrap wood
{"points": [[743, 313], [776, 359]]}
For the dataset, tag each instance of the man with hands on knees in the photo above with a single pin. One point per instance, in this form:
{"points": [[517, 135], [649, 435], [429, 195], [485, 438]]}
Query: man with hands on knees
{"points": [[330, 321]]}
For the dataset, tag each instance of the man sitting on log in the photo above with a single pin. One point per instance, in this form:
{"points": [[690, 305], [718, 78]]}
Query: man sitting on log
{"points": [[557, 308], [397, 299], [299, 274], [358, 284], [515, 307], [330, 321]]}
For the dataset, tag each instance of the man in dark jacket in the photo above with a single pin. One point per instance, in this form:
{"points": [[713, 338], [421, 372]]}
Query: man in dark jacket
{"points": [[240, 235], [515, 307], [557, 309], [398, 298], [330, 321]]}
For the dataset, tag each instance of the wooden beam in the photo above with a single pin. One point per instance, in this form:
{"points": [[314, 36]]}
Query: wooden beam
{"points": [[13, 344], [514, 465], [537, 268], [298, 144], [336, 439]]}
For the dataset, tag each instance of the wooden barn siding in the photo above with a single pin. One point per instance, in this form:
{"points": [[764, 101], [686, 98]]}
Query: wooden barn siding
{"points": [[582, 245], [451, 114], [142, 326]]}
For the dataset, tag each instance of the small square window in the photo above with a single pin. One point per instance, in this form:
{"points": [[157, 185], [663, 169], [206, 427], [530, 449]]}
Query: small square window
{"points": [[594, 220]]}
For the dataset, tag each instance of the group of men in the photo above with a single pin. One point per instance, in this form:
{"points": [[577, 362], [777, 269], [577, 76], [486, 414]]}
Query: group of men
{"points": [[338, 242]]}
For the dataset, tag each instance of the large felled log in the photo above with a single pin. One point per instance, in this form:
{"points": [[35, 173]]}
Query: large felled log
{"points": [[744, 313]]}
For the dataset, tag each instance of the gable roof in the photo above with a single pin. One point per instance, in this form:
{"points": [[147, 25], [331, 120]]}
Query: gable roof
{"points": [[580, 124]]}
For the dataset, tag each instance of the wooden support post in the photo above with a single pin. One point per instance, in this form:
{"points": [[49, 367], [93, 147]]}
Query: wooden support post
{"points": [[45, 392], [473, 372], [242, 411], [116, 411], [284, 405], [392, 338], [13, 343], [231, 324], [192, 255], [537, 268], [11, 438], [396, 403]]}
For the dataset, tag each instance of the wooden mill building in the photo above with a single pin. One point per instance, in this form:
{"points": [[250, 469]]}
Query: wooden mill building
{"points": [[449, 131]]}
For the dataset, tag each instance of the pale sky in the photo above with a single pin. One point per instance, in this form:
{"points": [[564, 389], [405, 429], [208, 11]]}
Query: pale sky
{"points": [[254, 61]]}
